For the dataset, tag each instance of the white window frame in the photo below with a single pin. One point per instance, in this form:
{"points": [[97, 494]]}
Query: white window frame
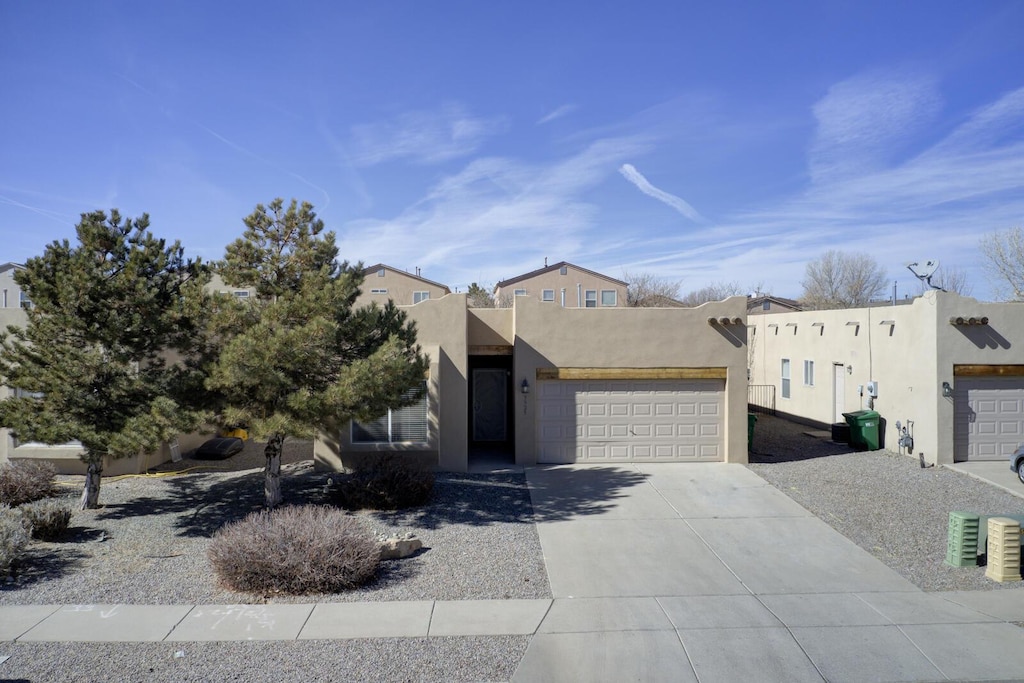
{"points": [[784, 374], [379, 290], [766, 306], [547, 295], [420, 296], [241, 293], [24, 301], [381, 272], [590, 298], [808, 373], [388, 422], [564, 270], [604, 298]]}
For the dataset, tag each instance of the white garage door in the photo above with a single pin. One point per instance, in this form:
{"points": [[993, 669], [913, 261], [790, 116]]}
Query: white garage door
{"points": [[630, 420], [988, 417]]}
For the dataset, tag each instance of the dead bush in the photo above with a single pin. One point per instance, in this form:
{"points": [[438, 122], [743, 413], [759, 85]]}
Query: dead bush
{"points": [[25, 481], [385, 482], [295, 550], [47, 519], [14, 536]]}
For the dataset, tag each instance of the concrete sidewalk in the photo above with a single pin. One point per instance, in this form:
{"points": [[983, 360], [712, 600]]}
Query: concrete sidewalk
{"points": [[994, 472], [658, 572]]}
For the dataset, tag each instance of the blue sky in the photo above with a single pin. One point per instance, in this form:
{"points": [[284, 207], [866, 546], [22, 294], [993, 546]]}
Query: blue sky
{"points": [[700, 142]]}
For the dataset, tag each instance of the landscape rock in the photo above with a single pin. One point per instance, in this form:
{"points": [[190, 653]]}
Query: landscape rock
{"points": [[397, 547]]}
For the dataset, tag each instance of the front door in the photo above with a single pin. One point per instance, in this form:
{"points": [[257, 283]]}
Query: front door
{"points": [[490, 408]]}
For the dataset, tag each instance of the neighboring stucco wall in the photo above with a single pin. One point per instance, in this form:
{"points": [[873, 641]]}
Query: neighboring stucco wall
{"points": [[489, 327], [909, 359], [400, 287], [554, 337], [575, 283], [10, 291], [441, 331]]}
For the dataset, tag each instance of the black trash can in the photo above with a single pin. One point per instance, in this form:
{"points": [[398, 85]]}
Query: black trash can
{"points": [[841, 432]]}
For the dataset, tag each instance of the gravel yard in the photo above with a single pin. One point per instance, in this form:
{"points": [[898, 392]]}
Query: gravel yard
{"points": [[884, 502], [147, 544]]}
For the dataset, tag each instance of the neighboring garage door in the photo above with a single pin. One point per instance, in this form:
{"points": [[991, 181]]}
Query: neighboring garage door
{"points": [[988, 417], [631, 420]]}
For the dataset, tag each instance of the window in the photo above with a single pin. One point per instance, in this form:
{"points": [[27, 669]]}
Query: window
{"points": [[382, 290], [590, 298], [547, 295], [380, 273], [785, 378], [241, 293], [402, 425], [420, 296], [808, 373], [766, 306], [519, 292], [563, 270], [608, 297], [25, 301]]}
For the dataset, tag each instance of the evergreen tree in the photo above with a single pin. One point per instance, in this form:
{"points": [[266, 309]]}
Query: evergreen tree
{"points": [[91, 363], [299, 356]]}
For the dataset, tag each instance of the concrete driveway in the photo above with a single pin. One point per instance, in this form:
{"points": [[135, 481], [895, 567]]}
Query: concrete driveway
{"points": [[677, 572]]}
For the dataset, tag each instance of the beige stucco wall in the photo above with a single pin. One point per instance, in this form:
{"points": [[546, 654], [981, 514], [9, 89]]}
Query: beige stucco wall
{"points": [[441, 331], [909, 359], [400, 286], [575, 283], [554, 337], [10, 291]]}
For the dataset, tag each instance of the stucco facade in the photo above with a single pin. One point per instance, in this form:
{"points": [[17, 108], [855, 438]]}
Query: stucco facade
{"points": [[909, 351], [532, 343], [382, 283], [564, 285]]}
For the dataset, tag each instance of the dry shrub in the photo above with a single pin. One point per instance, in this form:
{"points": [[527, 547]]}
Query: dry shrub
{"points": [[295, 550], [385, 482], [25, 481], [14, 536], [48, 519]]}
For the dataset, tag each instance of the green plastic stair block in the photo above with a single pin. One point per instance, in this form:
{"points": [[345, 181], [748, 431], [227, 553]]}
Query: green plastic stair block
{"points": [[962, 546]]}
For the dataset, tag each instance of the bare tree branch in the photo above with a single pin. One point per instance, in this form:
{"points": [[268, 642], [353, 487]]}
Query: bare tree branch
{"points": [[1004, 262]]}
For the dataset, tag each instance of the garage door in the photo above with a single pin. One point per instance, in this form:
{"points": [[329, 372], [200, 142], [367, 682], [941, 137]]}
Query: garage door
{"points": [[630, 420], [988, 417]]}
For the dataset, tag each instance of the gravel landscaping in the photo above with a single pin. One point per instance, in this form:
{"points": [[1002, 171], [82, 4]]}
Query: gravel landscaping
{"points": [[147, 544], [882, 501]]}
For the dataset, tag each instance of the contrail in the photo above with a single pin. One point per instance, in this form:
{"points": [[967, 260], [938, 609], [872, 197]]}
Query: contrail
{"points": [[634, 176]]}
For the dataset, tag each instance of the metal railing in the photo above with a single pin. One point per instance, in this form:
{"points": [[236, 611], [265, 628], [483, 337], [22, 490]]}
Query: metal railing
{"points": [[761, 398]]}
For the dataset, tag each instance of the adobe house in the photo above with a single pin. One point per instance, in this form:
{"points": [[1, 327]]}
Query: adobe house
{"points": [[949, 365], [539, 383]]}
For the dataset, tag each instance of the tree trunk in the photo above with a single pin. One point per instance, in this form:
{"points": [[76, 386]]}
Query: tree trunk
{"points": [[91, 491], [272, 480]]}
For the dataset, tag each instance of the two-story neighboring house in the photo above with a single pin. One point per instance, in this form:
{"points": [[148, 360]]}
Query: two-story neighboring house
{"points": [[11, 295], [382, 282], [564, 284], [760, 305]]}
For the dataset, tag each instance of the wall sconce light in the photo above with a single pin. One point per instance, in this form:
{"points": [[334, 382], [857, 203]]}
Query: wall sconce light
{"points": [[525, 387], [849, 369], [947, 390]]}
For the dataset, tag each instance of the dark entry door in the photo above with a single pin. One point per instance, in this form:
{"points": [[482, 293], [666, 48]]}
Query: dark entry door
{"points": [[490, 407]]}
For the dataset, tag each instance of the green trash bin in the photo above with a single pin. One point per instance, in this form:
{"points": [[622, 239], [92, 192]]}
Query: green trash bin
{"points": [[864, 429], [751, 420]]}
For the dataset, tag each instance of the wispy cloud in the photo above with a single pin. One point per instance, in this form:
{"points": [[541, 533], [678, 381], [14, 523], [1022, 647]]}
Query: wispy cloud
{"points": [[634, 176], [863, 121], [496, 215], [425, 137], [556, 114]]}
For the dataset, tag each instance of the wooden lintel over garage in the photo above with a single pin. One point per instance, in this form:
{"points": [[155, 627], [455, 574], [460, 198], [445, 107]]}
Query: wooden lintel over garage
{"points": [[490, 350], [988, 370], [631, 373]]}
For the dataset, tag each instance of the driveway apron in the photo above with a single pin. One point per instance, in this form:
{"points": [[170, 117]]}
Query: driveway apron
{"points": [[706, 572]]}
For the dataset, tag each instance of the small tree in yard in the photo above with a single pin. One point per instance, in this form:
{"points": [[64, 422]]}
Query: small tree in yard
{"points": [[90, 365], [299, 355], [839, 279], [648, 290], [1003, 254], [478, 297]]}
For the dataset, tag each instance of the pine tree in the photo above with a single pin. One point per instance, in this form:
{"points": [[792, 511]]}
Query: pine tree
{"points": [[299, 355], [91, 363]]}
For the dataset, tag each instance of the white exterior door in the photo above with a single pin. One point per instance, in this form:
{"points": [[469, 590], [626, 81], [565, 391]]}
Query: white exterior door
{"points": [[630, 421], [988, 417], [838, 392]]}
